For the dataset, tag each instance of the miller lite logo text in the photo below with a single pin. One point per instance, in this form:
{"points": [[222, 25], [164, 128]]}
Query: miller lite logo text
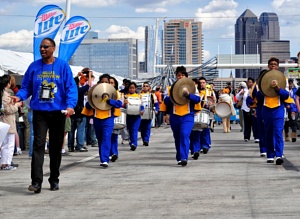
{"points": [[75, 31], [48, 22]]}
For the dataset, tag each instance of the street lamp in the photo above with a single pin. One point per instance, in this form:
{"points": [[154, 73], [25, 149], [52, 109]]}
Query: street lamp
{"points": [[155, 42]]}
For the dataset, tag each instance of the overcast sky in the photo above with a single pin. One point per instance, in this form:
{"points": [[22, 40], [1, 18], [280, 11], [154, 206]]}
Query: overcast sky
{"points": [[127, 18]]}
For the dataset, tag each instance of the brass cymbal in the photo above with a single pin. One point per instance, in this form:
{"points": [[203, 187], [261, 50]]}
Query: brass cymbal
{"points": [[171, 90], [176, 92], [266, 79], [89, 95], [99, 93]]}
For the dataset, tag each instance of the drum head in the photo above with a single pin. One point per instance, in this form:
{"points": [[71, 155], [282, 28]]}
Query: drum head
{"points": [[223, 109]]}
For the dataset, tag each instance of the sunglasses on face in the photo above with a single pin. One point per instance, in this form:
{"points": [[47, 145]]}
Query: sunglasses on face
{"points": [[145, 86], [44, 46]]}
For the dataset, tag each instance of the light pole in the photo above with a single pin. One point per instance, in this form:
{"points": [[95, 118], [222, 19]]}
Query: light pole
{"points": [[68, 8], [155, 43]]}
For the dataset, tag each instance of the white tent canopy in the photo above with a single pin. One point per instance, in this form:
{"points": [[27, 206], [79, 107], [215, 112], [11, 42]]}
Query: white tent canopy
{"points": [[17, 63]]}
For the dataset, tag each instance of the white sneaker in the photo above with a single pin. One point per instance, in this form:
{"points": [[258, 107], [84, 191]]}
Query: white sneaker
{"points": [[19, 151], [104, 164], [8, 168]]}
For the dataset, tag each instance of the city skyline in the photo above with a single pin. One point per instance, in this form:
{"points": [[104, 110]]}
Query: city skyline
{"points": [[128, 18]]}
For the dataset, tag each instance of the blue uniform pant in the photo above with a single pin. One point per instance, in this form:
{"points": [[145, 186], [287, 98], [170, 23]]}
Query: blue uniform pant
{"points": [[274, 122], [133, 123], [145, 129], [114, 144], [182, 127], [103, 131], [261, 130], [195, 141], [205, 140]]}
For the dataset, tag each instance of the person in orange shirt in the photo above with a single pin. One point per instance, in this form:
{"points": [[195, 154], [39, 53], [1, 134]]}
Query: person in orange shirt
{"points": [[159, 115]]}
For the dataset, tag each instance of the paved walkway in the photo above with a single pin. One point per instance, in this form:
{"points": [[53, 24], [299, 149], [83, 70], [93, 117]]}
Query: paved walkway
{"points": [[231, 181]]}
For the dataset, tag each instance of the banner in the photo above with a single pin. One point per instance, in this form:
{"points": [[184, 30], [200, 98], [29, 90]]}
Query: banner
{"points": [[47, 23], [73, 33]]}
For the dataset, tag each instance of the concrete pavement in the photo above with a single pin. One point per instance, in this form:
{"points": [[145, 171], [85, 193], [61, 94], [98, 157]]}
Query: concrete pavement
{"points": [[231, 181]]}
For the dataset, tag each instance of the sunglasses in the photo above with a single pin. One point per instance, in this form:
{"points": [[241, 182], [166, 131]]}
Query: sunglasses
{"points": [[145, 86], [45, 46]]}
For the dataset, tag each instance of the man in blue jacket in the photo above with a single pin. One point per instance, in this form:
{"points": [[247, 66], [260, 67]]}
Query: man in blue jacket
{"points": [[49, 82]]}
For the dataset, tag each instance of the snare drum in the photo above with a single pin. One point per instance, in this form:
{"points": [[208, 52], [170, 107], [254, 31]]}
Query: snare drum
{"points": [[201, 120], [134, 106], [148, 109], [223, 109], [120, 121]]}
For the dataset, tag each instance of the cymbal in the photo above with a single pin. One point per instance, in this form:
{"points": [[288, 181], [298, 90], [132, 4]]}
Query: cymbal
{"points": [[171, 90], [98, 93], [89, 95], [177, 89], [266, 79]]}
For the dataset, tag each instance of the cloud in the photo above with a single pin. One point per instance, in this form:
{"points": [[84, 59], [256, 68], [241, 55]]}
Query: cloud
{"points": [[21, 41], [89, 4], [218, 13], [115, 31], [206, 55], [149, 10]]}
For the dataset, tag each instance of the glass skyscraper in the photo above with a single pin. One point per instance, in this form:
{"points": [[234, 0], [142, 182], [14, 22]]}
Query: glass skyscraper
{"points": [[112, 56], [253, 36], [149, 48]]}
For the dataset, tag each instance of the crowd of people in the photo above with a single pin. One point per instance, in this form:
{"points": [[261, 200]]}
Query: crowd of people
{"points": [[55, 105]]}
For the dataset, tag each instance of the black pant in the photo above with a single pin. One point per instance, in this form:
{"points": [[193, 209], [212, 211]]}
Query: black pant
{"points": [[247, 124], [43, 121]]}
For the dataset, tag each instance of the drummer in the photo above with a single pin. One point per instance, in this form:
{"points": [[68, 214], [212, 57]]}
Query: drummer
{"points": [[195, 134], [145, 126], [133, 121], [205, 140], [182, 120], [114, 153], [103, 121]]}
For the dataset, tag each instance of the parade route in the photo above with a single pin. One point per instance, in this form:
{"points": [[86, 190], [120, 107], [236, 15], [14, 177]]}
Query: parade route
{"points": [[230, 181]]}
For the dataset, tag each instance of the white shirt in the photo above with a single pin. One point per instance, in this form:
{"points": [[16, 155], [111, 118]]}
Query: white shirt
{"points": [[240, 97]]}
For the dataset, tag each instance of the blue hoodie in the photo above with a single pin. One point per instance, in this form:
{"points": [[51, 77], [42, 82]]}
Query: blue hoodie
{"points": [[57, 78]]}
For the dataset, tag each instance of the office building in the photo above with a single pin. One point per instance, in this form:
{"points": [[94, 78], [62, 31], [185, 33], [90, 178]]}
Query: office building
{"points": [[259, 36], [247, 40], [112, 56], [183, 42], [150, 49]]}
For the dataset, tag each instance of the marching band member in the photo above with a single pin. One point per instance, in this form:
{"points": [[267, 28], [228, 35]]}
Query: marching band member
{"points": [[292, 113], [182, 120], [205, 140], [195, 134], [273, 117], [133, 121], [145, 126], [114, 154], [103, 121], [254, 103]]}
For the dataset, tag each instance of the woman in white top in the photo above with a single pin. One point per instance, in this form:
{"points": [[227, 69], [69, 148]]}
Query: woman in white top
{"points": [[224, 97]]}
